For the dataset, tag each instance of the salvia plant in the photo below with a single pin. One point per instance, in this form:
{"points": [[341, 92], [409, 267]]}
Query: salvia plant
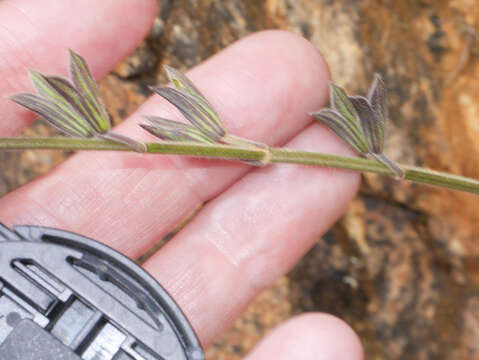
{"points": [[206, 126], [75, 108], [360, 121]]}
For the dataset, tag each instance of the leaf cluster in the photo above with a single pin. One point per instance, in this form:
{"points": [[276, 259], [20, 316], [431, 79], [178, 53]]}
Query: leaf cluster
{"points": [[74, 107]]}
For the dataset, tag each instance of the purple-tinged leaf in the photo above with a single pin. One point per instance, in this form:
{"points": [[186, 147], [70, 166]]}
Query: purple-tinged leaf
{"points": [[181, 82], [193, 111], [73, 97], [371, 125], [186, 86], [54, 114], [48, 91], [135, 145], [174, 131], [86, 86], [377, 97], [340, 102], [382, 158], [342, 127]]}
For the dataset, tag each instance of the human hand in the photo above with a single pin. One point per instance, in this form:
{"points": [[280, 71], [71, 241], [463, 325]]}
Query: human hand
{"points": [[257, 223]]}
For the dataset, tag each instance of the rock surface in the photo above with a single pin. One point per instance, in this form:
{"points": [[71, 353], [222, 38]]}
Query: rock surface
{"points": [[402, 265]]}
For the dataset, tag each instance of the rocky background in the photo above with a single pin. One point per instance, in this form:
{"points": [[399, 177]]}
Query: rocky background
{"points": [[402, 265]]}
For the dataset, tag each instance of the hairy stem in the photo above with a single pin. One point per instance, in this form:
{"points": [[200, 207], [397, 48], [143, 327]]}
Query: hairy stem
{"points": [[274, 155]]}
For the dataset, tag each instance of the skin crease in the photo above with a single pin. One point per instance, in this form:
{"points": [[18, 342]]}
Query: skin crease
{"points": [[257, 224]]}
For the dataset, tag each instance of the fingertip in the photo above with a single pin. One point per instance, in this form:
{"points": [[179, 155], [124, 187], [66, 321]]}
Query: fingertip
{"points": [[310, 336], [145, 15], [334, 335], [287, 50], [130, 24]]}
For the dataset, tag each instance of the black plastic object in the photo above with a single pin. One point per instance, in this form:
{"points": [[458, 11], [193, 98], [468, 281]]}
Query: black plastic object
{"points": [[67, 297]]}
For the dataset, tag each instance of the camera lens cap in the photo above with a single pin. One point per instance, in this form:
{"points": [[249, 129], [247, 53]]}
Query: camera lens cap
{"points": [[64, 296]]}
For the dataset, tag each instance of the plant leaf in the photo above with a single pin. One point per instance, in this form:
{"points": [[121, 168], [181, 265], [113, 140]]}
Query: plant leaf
{"points": [[54, 114], [73, 97], [87, 88], [371, 125], [181, 82], [135, 145], [340, 103], [377, 97], [186, 86], [193, 111], [342, 127], [395, 168], [174, 131], [48, 91]]}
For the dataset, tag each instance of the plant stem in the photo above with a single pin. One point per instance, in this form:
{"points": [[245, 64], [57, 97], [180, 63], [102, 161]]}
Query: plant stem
{"points": [[275, 155]]}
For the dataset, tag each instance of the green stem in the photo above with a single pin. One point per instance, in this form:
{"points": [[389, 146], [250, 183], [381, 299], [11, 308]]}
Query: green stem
{"points": [[275, 155]]}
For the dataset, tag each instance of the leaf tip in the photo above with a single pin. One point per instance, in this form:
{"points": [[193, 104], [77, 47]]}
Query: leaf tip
{"points": [[20, 98], [73, 53], [32, 72], [168, 69], [75, 57]]}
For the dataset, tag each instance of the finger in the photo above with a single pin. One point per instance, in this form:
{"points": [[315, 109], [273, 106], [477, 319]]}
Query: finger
{"points": [[37, 34], [310, 337], [263, 88], [251, 234]]}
